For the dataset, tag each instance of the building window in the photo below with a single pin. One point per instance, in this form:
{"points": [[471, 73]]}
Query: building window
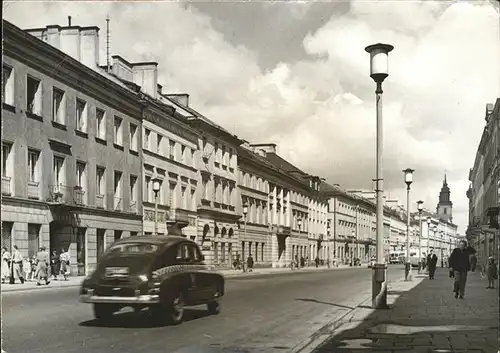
{"points": [[58, 106], [159, 140], [81, 175], [216, 148], [33, 96], [183, 154], [171, 150], [183, 197], [7, 168], [171, 195], [118, 190], [147, 135], [100, 123], [147, 189], [203, 144], [33, 170], [193, 200], [100, 187], [133, 137], [81, 115], [59, 177], [204, 190], [118, 131], [133, 193], [8, 85], [223, 154]]}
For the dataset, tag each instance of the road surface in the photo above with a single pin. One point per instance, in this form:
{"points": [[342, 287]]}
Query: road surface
{"points": [[264, 313]]}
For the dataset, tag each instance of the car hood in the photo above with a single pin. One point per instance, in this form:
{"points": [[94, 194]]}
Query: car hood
{"points": [[123, 265]]}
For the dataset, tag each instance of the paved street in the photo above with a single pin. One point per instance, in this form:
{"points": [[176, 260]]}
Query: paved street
{"points": [[261, 313], [424, 317]]}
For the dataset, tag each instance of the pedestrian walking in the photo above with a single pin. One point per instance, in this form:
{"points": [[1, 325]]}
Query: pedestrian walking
{"points": [[473, 262], [42, 269], [432, 260], [316, 261], [55, 264], [250, 263], [491, 272], [64, 260], [17, 266], [6, 259], [460, 265]]}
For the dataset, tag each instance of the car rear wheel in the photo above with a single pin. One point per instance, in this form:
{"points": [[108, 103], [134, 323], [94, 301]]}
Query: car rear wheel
{"points": [[103, 311], [213, 307]]}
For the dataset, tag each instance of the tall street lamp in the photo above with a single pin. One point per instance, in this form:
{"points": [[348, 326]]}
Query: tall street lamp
{"points": [[245, 212], [156, 190], [420, 207], [353, 236], [379, 71], [408, 180], [299, 224], [441, 247], [429, 221], [328, 238]]}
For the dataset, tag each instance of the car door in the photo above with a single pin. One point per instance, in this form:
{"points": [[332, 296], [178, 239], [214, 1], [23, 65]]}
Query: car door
{"points": [[205, 287], [189, 272]]}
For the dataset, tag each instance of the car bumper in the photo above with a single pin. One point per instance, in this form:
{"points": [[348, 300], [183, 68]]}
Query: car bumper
{"points": [[140, 299]]}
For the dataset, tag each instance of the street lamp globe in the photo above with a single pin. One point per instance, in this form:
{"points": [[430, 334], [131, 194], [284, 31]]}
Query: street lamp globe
{"points": [[156, 185], [420, 206], [408, 176], [299, 222], [379, 61], [245, 209], [429, 221], [353, 234]]}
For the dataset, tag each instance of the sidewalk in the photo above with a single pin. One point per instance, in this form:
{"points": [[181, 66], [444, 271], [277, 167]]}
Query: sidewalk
{"points": [[424, 316], [76, 281]]}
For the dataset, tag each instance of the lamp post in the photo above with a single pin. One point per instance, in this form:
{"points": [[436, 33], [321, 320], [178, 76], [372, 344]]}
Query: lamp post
{"points": [[379, 65], [299, 224], [429, 221], [420, 207], [408, 172], [156, 189], [245, 212], [328, 241], [353, 235], [441, 247]]}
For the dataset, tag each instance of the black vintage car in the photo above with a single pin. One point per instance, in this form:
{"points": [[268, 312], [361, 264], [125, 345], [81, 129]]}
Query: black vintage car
{"points": [[162, 273]]}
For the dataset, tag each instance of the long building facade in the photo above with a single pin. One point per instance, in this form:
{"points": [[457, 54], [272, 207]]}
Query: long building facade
{"points": [[484, 189]]}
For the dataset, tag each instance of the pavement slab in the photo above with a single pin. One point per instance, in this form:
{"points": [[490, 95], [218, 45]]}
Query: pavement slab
{"points": [[424, 316]]}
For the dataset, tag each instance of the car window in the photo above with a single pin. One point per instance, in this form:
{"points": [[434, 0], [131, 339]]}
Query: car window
{"points": [[168, 258], [194, 254]]}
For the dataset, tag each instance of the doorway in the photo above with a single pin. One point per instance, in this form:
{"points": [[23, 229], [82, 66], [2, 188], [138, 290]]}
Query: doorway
{"points": [[81, 251], [101, 242]]}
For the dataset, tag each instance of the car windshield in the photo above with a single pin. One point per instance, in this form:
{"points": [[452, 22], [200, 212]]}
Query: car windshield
{"points": [[133, 248]]}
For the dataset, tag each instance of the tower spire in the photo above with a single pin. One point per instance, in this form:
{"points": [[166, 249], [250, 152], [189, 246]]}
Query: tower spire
{"points": [[445, 181]]}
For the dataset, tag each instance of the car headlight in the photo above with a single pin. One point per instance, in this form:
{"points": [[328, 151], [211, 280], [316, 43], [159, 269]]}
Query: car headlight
{"points": [[143, 278]]}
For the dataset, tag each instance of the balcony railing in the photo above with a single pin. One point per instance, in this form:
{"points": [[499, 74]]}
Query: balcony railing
{"points": [[33, 190], [6, 183], [71, 195], [99, 201], [133, 207], [117, 203]]}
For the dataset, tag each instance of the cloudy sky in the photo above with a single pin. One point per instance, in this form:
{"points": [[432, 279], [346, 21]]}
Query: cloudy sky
{"points": [[296, 74]]}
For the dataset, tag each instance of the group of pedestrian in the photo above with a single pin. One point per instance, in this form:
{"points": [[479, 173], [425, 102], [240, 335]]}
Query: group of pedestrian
{"points": [[462, 260], [39, 267]]}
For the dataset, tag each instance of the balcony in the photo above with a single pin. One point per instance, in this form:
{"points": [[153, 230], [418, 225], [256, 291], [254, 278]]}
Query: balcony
{"points": [[99, 201], [178, 215], [6, 185], [64, 194], [33, 190]]}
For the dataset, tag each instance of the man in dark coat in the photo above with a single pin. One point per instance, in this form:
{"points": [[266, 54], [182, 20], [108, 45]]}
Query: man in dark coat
{"points": [[432, 260], [460, 265]]}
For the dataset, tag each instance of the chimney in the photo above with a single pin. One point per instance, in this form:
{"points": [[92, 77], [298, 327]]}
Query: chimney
{"points": [[266, 147], [181, 98], [146, 75], [159, 89], [122, 68], [89, 46], [69, 21]]}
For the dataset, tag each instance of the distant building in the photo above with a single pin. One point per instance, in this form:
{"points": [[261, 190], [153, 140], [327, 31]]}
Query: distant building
{"points": [[445, 206]]}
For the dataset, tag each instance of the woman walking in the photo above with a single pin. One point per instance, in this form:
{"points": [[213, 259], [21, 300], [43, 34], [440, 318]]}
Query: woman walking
{"points": [[64, 259], [6, 258], [491, 272], [42, 269]]}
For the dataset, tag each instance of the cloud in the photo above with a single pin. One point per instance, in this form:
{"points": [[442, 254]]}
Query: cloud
{"points": [[320, 110]]}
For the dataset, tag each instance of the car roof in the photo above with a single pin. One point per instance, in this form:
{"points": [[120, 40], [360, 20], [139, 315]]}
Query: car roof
{"points": [[161, 240]]}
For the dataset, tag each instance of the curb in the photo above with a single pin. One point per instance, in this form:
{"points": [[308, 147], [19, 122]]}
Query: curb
{"points": [[327, 331], [36, 289]]}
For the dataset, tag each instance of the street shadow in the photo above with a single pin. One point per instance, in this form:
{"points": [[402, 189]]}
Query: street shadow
{"points": [[142, 319], [416, 330], [326, 303]]}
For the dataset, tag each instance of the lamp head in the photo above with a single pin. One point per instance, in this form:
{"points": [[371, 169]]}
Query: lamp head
{"points": [[420, 206], [379, 66], [299, 222], [245, 209], [429, 220], [408, 176], [156, 184]]}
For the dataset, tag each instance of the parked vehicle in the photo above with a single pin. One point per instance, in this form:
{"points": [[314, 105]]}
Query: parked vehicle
{"points": [[162, 273]]}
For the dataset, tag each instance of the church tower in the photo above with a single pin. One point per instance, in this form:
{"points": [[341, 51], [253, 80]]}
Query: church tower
{"points": [[445, 206]]}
